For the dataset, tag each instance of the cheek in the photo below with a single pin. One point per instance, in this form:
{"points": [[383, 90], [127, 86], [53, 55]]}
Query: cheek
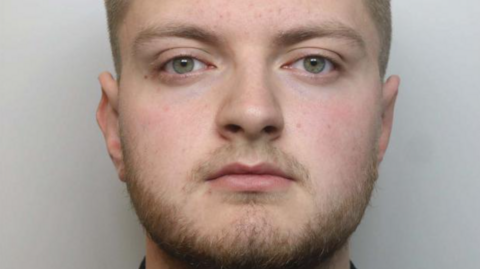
{"points": [[152, 126], [161, 137], [167, 126], [338, 138], [339, 126]]}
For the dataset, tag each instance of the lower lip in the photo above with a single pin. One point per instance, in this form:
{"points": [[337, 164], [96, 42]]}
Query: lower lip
{"points": [[251, 183]]}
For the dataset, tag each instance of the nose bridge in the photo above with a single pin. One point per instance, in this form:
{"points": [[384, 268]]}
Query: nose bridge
{"points": [[251, 108], [251, 75], [253, 88]]}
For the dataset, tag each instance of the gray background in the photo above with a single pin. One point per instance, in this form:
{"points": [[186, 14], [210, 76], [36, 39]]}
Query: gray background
{"points": [[61, 205]]}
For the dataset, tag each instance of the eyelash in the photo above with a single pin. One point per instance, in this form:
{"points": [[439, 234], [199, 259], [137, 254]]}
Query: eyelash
{"points": [[335, 63], [174, 76], [160, 69]]}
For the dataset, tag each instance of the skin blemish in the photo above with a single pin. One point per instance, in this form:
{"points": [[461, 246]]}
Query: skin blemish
{"points": [[166, 109], [145, 77], [299, 126]]}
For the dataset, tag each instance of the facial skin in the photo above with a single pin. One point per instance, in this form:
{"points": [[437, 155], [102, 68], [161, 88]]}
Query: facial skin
{"points": [[249, 101]]}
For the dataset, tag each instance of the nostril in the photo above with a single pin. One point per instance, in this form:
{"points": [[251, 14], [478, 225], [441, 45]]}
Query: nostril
{"points": [[233, 128], [270, 129]]}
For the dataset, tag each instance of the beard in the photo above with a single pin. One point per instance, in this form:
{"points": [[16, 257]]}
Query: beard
{"points": [[254, 241]]}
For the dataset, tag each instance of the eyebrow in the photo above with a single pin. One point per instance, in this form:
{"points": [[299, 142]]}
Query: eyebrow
{"points": [[175, 30], [326, 30], [283, 39]]}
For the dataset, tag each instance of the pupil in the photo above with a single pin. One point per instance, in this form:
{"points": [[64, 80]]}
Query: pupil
{"points": [[314, 64], [183, 65]]}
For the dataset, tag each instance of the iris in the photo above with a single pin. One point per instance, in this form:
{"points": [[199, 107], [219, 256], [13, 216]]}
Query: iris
{"points": [[183, 65], [314, 64]]}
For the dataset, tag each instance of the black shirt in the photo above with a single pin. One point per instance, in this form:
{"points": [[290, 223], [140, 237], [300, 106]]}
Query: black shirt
{"points": [[142, 266]]}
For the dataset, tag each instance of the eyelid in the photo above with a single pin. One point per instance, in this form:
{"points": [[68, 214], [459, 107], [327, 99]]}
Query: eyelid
{"points": [[335, 63], [328, 65], [303, 52], [168, 66], [168, 56], [161, 67]]}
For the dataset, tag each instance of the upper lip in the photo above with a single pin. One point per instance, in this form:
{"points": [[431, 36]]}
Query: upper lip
{"points": [[243, 169]]}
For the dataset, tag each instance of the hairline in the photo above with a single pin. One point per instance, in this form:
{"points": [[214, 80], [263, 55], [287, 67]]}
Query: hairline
{"points": [[382, 26]]}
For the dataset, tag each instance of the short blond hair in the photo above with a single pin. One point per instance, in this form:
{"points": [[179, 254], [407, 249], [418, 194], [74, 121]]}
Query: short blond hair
{"points": [[380, 12]]}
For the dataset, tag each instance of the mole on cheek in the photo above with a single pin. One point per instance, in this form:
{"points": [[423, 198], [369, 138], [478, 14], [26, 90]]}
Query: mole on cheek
{"points": [[145, 77]]}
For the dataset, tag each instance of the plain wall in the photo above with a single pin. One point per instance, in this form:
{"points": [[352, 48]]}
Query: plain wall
{"points": [[62, 206]]}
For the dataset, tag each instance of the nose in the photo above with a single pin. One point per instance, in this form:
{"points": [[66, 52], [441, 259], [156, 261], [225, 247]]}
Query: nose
{"points": [[250, 110]]}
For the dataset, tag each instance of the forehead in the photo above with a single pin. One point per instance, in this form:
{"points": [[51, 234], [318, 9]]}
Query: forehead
{"points": [[244, 20]]}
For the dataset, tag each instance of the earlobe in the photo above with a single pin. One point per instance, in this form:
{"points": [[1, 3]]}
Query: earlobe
{"points": [[108, 121], [389, 97]]}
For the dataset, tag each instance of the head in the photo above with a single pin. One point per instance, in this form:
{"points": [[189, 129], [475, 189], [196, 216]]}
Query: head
{"points": [[249, 133]]}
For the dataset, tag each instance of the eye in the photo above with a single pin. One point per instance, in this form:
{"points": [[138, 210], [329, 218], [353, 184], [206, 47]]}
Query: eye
{"points": [[183, 65], [314, 64]]}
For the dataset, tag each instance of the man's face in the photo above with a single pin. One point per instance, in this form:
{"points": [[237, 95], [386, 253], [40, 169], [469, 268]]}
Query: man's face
{"points": [[250, 130]]}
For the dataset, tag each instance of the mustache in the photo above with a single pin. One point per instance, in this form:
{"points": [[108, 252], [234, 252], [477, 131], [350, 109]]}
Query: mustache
{"points": [[251, 154]]}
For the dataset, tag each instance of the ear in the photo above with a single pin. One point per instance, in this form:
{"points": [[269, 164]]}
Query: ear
{"points": [[389, 96], [107, 118]]}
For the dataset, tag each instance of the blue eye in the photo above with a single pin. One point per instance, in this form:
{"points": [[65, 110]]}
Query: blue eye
{"points": [[314, 64], [184, 65]]}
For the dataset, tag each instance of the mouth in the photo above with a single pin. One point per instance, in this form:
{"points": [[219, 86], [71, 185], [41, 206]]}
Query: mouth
{"points": [[263, 177]]}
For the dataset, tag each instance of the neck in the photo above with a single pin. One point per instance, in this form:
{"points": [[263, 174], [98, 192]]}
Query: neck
{"points": [[156, 258]]}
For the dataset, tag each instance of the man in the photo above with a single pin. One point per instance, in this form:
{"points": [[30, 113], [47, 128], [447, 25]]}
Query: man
{"points": [[248, 132]]}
